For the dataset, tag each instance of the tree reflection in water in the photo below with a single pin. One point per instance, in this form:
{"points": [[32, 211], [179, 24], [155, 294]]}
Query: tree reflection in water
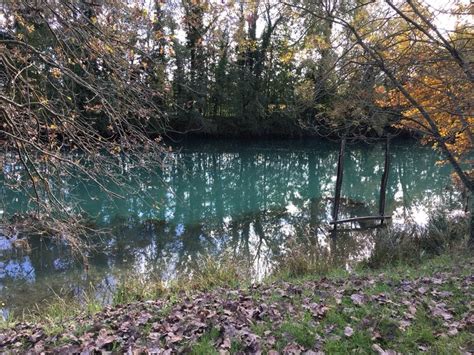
{"points": [[249, 199]]}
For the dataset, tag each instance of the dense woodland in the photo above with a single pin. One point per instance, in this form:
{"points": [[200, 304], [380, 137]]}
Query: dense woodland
{"points": [[81, 80]]}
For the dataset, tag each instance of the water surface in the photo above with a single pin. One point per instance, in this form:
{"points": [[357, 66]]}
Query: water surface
{"points": [[250, 199]]}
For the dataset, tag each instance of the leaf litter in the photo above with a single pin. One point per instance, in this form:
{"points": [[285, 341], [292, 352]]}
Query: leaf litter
{"points": [[166, 326]]}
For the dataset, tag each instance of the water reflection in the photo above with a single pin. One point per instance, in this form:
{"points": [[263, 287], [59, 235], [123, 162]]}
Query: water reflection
{"points": [[250, 199]]}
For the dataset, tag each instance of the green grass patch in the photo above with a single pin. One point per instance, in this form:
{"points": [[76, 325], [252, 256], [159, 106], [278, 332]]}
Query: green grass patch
{"points": [[206, 344], [301, 332]]}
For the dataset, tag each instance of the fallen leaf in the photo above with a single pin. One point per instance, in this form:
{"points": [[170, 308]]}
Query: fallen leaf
{"points": [[445, 294], [104, 339], [404, 324], [452, 332], [348, 331], [226, 344], [381, 351], [293, 349], [271, 340], [376, 335], [174, 338], [423, 348], [357, 298], [422, 290], [440, 311]]}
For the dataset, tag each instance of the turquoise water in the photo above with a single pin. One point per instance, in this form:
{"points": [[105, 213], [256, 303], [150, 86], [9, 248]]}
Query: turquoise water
{"points": [[243, 198]]}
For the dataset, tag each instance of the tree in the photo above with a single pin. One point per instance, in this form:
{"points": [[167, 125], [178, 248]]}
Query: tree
{"points": [[69, 65], [423, 77]]}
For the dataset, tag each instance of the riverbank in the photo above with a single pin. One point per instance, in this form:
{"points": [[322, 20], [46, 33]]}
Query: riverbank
{"points": [[405, 309], [270, 129]]}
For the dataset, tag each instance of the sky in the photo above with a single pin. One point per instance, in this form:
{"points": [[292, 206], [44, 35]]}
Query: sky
{"points": [[444, 20]]}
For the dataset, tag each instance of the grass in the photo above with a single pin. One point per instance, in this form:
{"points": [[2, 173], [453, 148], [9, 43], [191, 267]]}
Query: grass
{"points": [[206, 344], [409, 256], [302, 333], [414, 245], [59, 312], [424, 328], [303, 258], [375, 323], [135, 288], [55, 314], [365, 320], [210, 272]]}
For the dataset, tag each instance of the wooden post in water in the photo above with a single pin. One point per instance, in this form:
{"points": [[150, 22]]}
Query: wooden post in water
{"points": [[383, 184], [340, 173]]}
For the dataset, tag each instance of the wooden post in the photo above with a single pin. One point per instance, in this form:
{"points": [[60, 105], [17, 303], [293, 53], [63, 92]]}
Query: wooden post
{"points": [[383, 184], [340, 173], [470, 203], [357, 219]]}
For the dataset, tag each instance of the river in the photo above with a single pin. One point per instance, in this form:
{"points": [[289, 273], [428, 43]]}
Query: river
{"points": [[246, 198]]}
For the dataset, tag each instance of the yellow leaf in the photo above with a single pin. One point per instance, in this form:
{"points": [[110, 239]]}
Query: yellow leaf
{"points": [[109, 48]]}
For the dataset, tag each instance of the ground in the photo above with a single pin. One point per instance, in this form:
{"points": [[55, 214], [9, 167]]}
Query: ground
{"points": [[405, 309]]}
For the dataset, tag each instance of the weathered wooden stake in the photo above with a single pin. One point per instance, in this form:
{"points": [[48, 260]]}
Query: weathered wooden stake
{"points": [[357, 219], [340, 173], [383, 184]]}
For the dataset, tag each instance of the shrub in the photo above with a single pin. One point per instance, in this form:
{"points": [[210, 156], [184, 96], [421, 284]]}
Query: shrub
{"points": [[302, 259], [412, 244]]}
